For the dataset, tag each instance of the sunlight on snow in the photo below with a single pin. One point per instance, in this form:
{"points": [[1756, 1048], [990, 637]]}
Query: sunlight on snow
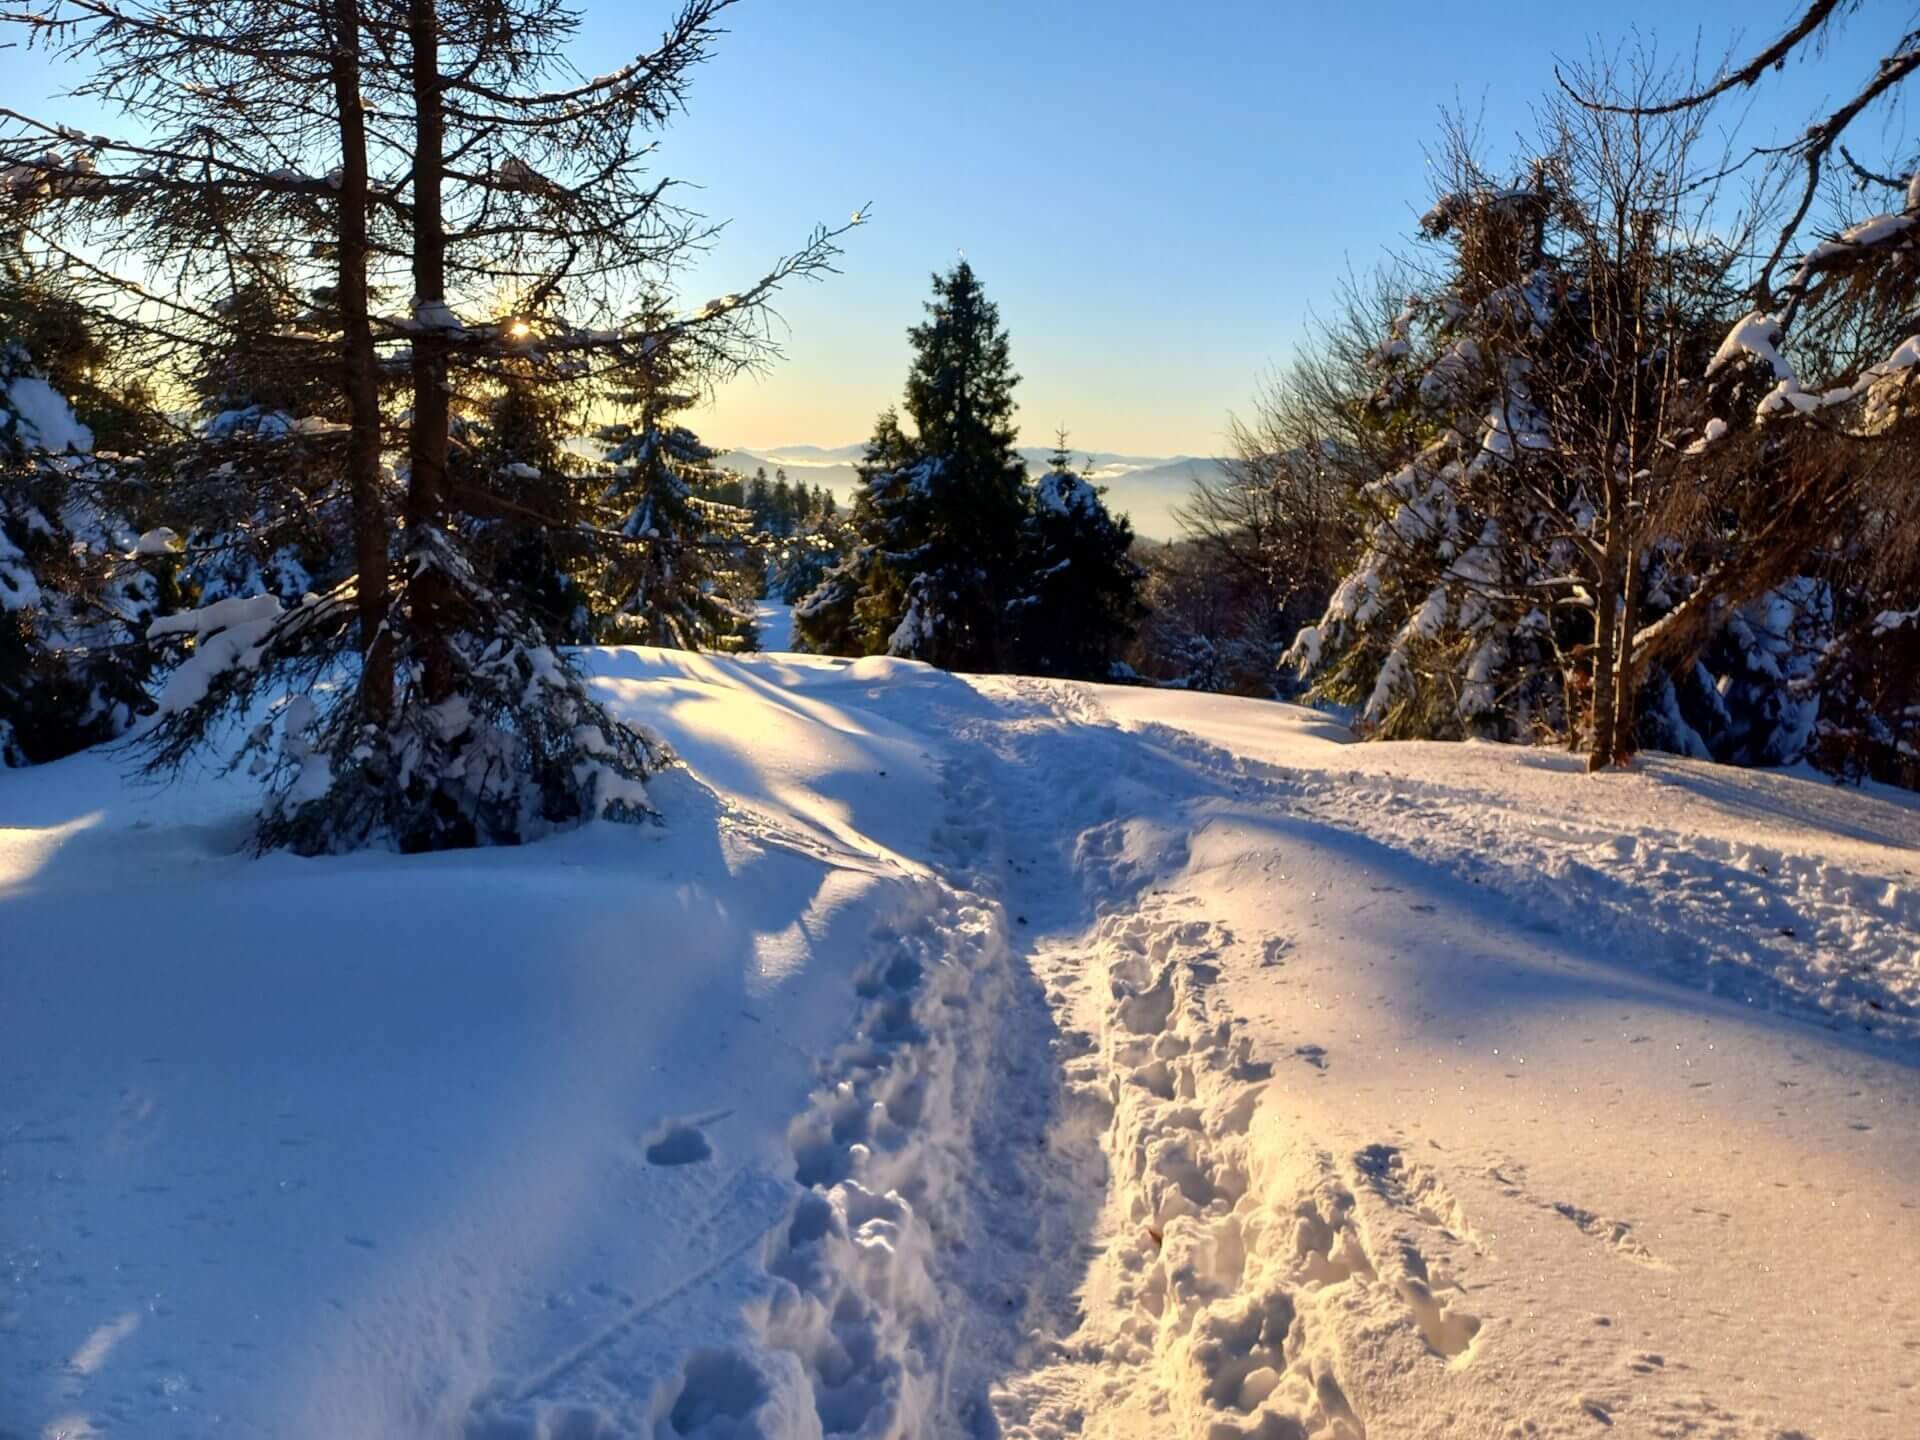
{"points": [[100, 1344], [25, 851]]}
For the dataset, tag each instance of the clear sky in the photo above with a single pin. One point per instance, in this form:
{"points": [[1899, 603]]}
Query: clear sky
{"points": [[1157, 194]]}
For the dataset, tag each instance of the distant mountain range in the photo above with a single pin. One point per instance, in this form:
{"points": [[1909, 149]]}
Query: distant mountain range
{"points": [[1145, 487]]}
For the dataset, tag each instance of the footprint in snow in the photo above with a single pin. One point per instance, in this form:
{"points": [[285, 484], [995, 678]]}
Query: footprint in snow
{"points": [[679, 1144]]}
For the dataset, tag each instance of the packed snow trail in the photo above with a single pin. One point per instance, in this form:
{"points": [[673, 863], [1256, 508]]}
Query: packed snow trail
{"points": [[942, 1193], [1278, 1255], [969, 1058], [1389, 1153]]}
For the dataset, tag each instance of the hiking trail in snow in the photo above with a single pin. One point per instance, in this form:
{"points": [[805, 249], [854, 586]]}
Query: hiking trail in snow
{"points": [[978, 1057]]}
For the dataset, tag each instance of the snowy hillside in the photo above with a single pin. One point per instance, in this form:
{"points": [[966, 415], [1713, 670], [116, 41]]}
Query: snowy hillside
{"points": [[972, 1057]]}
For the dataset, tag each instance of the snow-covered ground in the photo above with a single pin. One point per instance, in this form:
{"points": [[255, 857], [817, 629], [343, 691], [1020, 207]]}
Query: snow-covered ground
{"points": [[973, 1057], [773, 625]]}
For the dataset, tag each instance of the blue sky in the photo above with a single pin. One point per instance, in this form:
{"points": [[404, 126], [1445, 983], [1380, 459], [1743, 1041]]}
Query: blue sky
{"points": [[1157, 195]]}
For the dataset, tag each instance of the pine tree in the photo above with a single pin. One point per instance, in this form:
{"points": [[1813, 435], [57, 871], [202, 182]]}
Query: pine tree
{"points": [[260, 486], [1080, 600], [1531, 568], [96, 364], [527, 505], [822, 542], [848, 611], [392, 149], [1869, 697], [78, 582], [780, 510], [940, 517], [1413, 637], [1751, 697], [760, 499], [682, 579]]}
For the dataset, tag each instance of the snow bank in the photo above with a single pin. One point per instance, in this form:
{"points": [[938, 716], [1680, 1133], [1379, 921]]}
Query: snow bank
{"points": [[380, 1146], [1410, 1136]]}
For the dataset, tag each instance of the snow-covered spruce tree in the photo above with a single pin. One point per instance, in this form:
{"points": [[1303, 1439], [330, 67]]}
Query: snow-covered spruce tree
{"points": [[679, 574], [259, 485], [1532, 571], [98, 366], [1869, 698], [940, 526], [854, 606], [77, 584], [527, 509], [406, 148], [1423, 637], [1805, 464], [1752, 696], [1079, 600], [799, 565]]}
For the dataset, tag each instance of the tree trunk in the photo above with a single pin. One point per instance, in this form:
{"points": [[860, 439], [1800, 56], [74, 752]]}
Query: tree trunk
{"points": [[1626, 688], [1606, 623], [370, 527], [433, 599]]}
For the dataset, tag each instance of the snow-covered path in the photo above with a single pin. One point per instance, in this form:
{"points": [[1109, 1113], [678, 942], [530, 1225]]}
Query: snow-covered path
{"points": [[1391, 1152], [773, 625], [974, 1057]]}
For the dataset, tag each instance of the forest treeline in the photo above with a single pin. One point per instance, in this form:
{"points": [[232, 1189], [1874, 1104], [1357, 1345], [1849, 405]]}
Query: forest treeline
{"points": [[345, 393]]}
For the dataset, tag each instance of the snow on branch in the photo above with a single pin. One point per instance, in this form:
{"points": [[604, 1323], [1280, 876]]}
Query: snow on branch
{"points": [[227, 634]]}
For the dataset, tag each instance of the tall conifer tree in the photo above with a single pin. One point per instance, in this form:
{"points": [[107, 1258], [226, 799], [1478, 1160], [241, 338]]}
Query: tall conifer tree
{"points": [[682, 577], [940, 517], [391, 149]]}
